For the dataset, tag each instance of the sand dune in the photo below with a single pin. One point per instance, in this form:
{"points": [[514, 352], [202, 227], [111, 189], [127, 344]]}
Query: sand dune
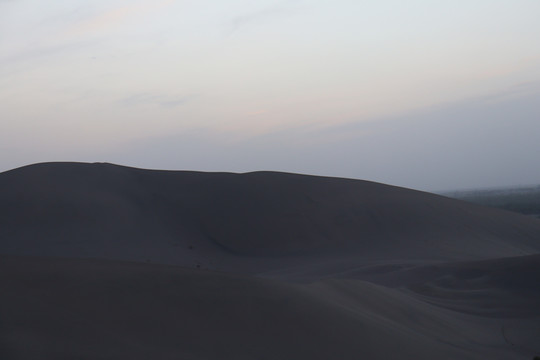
{"points": [[109, 211], [99, 261]]}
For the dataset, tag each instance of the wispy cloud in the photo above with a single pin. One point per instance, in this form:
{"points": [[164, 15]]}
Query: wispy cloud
{"points": [[261, 15], [44, 50], [67, 32], [116, 16], [156, 99]]}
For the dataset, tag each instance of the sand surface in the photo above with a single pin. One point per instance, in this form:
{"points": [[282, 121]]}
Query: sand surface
{"points": [[99, 261]]}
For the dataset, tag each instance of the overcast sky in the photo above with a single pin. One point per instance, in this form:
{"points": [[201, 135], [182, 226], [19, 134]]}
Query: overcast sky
{"points": [[433, 95]]}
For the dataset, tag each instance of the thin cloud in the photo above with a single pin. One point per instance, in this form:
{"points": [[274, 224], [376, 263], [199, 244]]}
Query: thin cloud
{"points": [[116, 16], [174, 103], [156, 99], [52, 44], [44, 51], [247, 19]]}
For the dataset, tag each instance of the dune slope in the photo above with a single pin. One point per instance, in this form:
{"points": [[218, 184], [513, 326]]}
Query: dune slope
{"points": [[215, 219], [90, 309]]}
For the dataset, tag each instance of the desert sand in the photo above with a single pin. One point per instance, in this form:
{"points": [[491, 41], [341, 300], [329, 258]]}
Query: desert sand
{"points": [[100, 261]]}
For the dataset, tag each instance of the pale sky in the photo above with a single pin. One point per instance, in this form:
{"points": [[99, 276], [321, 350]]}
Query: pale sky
{"points": [[433, 95]]}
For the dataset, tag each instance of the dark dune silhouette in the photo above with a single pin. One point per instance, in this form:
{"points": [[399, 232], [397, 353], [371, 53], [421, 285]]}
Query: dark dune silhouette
{"points": [[103, 210], [103, 261]]}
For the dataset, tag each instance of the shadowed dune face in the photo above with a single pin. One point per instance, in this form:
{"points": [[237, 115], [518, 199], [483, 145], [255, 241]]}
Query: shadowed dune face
{"points": [[504, 287], [103, 210], [58, 308]]}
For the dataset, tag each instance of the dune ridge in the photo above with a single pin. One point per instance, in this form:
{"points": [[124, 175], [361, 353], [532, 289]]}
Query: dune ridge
{"points": [[104, 210]]}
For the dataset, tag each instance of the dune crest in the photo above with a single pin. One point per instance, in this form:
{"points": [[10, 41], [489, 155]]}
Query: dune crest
{"points": [[116, 212]]}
